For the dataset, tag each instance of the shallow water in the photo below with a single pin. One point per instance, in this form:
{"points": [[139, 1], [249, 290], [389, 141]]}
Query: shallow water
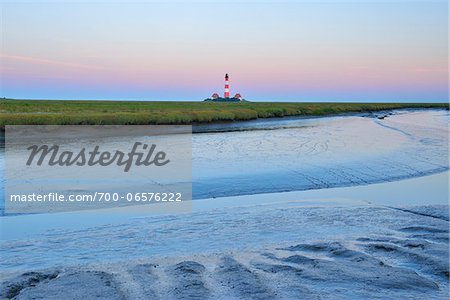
{"points": [[300, 154], [384, 239], [44, 240], [293, 154]]}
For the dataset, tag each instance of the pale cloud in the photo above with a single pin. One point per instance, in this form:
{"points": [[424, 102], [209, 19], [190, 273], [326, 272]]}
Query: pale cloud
{"points": [[43, 61]]}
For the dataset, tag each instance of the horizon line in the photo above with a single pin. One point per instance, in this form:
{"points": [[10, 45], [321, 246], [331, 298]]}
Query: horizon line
{"points": [[201, 100]]}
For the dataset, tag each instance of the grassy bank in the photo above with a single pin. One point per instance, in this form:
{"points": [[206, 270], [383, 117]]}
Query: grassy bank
{"points": [[35, 112]]}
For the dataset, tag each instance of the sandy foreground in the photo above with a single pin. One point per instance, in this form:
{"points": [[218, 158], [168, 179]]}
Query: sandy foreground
{"points": [[326, 244], [409, 261]]}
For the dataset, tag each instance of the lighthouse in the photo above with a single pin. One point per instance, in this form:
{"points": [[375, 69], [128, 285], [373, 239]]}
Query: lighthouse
{"points": [[226, 94]]}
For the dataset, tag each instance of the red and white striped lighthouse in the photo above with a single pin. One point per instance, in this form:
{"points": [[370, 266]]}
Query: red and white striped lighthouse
{"points": [[226, 94]]}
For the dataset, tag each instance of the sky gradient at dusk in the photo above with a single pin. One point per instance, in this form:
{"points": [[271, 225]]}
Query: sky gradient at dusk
{"points": [[275, 51]]}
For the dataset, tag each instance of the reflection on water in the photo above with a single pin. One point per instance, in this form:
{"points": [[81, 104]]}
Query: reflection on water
{"points": [[301, 154], [290, 154], [295, 154]]}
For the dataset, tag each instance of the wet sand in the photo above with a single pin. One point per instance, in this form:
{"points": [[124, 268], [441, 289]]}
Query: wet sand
{"points": [[346, 208], [409, 260], [308, 245]]}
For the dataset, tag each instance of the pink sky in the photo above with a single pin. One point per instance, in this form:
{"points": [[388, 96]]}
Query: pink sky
{"points": [[302, 51]]}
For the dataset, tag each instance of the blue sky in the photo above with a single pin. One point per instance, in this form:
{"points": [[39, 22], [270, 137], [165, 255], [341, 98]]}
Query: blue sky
{"points": [[273, 51]]}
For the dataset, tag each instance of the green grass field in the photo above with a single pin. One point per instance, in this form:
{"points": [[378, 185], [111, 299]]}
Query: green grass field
{"points": [[36, 112]]}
